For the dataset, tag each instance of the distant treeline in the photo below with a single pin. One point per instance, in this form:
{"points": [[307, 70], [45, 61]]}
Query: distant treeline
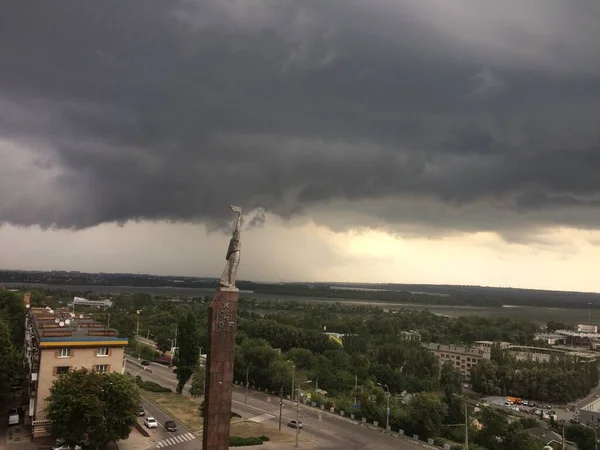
{"points": [[398, 293]]}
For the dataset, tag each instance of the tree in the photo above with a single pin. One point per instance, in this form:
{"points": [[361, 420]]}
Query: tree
{"points": [[188, 352], [426, 413], [8, 355], [198, 382], [99, 407]]}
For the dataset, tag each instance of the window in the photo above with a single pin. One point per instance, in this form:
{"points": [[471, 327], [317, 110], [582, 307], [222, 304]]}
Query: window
{"points": [[64, 352], [102, 368], [61, 370], [102, 351]]}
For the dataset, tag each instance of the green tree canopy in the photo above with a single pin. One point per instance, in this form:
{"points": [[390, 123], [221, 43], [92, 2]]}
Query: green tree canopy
{"points": [[98, 407], [188, 352]]}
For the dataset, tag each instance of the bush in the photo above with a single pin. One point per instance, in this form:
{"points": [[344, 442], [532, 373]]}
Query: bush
{"points": [[150, 386], [236, 441]]}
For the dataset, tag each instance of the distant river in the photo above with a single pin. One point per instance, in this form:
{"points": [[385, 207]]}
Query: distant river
{"points": [[535, 314]]}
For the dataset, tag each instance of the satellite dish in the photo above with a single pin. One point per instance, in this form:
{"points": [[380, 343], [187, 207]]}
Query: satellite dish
{"points": [[72, 315], [61, 324], [56, 320], [47, 308], [27, 306], [81, 316], [68, 322], [51, 311]]}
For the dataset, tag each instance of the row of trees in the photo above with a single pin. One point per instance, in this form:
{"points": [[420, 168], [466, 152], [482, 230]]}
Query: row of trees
{"points": [[12, 323], [559, 380]]}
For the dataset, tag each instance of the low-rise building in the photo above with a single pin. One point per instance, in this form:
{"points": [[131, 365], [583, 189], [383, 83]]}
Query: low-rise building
{"points": [[542, 354], [487, 345], [463, 358], [57, 342]]}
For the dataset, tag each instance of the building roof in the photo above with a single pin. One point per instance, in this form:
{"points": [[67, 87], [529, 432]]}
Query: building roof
{"points": [[456, 349], [56, 328]]}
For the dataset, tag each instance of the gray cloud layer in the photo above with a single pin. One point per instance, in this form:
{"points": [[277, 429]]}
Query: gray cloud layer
{"points": [[111, 111]]}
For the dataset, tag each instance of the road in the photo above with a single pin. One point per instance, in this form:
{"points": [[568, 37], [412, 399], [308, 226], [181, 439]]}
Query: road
{"points": [[163, 438], [324, 429]]}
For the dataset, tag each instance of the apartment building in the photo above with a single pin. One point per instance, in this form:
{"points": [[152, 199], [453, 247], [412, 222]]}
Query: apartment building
{"points": [[58, 341], [463, 358]]}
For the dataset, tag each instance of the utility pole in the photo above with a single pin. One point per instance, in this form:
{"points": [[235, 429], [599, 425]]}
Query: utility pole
{"points": [[387, 411], [137, 330], [355, 387], [298, 411], [108, 324], [281, 407], [466, 425], [246, 394]]}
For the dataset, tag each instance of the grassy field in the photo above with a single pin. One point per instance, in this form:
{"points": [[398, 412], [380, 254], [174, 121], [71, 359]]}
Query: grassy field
{"points": [[184, 409], [245, 428]]}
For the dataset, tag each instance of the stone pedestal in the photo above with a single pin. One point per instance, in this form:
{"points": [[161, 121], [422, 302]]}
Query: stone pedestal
{"points": [[222, 327]]}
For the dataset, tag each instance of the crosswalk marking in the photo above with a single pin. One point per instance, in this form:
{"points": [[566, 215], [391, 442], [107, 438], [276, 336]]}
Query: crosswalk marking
{"points": [[261, 418], [176, 440]]}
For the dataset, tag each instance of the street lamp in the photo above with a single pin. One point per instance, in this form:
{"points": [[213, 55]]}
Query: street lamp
{"points": [[298, 411], [595, 434], [387, 412], [466, 421], [293, 376], [137, 330]]}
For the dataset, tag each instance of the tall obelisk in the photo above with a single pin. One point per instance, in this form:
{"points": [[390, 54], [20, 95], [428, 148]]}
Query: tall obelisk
{"points": [[222, 324]]}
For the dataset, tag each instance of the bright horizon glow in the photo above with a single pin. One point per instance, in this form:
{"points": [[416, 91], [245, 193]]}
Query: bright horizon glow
{"points": [[562, 259]]}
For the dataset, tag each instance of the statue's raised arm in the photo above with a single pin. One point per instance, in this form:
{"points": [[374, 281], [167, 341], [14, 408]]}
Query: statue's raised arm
{"points": [[233, 252]]}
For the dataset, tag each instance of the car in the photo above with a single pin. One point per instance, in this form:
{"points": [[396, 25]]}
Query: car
{"points": [[13, 417], [63, 446], [145, 363], [170, 425], [150, 422], [596, 395], [141, 411], [294, 424]]}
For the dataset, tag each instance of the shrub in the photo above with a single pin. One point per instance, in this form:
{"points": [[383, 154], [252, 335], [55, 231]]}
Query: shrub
{"points": [[236, 441], [150, 386]]}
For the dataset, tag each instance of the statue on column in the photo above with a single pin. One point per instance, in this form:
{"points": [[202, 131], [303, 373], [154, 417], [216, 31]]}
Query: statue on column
{"points": [[233, 252]]}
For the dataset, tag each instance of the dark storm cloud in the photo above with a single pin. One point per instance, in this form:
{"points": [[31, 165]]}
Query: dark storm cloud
{"points": [[111, 111]]}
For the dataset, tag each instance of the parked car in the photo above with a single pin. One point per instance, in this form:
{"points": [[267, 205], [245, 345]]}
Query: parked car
{"points": [[294, 424], [170, 425], [141, 411], [150, 422], [145, 363], [13, 417], [60, 444]]}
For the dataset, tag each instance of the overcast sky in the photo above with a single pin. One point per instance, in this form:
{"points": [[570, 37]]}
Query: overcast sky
{"points": [[434, 141]]}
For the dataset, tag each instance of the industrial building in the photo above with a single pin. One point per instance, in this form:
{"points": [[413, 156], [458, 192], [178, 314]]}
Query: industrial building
{"points": [[463, 358], [58, 341], [80, 301]]}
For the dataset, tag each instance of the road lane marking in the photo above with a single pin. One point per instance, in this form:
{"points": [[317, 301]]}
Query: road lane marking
{"points": [[180, 439], [261, 418]]}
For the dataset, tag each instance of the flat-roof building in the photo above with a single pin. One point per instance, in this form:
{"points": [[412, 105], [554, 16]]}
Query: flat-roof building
{"points": [[463, 358], [59, 341]]}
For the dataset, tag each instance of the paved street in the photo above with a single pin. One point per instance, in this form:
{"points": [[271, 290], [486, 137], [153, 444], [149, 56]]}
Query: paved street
{"points": [[324, 429], [162, 437]]}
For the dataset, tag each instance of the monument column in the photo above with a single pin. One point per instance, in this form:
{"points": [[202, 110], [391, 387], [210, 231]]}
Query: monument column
{"points": [[222, 315], [222, 324]]}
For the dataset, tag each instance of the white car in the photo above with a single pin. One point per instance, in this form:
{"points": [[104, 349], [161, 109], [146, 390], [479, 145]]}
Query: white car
{"points": [[150, 422], [66, 447], [13, 417]]}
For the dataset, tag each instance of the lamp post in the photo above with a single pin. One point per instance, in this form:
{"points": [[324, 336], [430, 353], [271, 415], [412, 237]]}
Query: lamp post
{"points": [[595, 434], [137, 330], [387, 412], [246, 394], [293, 377], [298, 411], [466, 421]]}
